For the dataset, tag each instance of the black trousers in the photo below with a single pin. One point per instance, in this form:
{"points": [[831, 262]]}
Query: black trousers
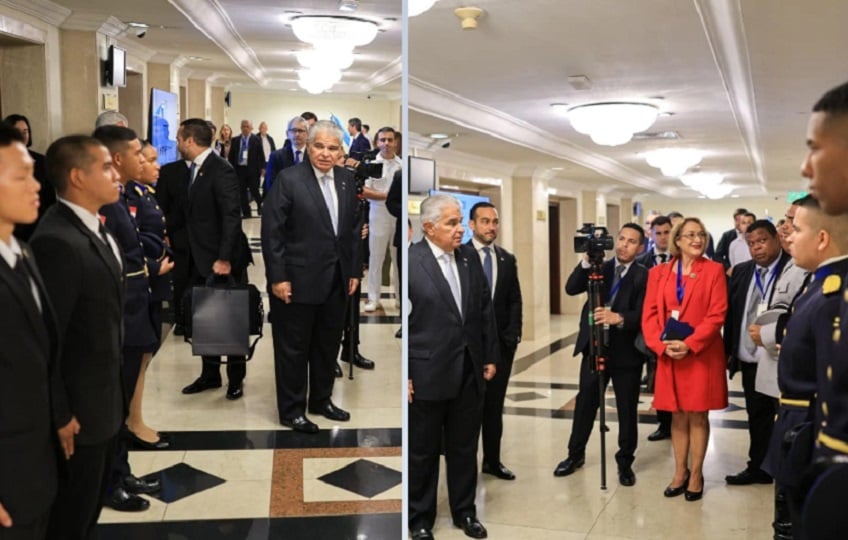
{"points": [[80, 495], [306, 344], [248, 183], [761, 410], [182, 275], [35, 530], [625, 383], [459, 419], [493, 404]]}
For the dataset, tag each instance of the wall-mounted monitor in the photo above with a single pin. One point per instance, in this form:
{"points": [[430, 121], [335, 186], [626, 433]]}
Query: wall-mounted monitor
{"points": [[115, 69], [163, 124], [467, 201], [422, 175]]}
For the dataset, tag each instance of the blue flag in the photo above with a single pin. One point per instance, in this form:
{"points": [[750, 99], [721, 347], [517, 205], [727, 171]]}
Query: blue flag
{"points": [[335, 120]]}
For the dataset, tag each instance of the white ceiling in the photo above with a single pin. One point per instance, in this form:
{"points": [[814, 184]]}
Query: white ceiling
{"points": [[248, 42], [739, 77]]}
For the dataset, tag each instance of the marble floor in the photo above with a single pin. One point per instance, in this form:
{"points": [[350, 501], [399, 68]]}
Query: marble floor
{"points": [[233, 472], [539, 506]]}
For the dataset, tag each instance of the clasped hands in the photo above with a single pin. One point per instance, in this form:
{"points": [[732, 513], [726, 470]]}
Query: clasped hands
{"points": [[283, 289], [676, 349]]}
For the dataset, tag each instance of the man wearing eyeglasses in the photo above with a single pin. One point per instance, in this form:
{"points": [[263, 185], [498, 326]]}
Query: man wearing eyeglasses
{"points": [[289, 154], [768, 281], [310, 244]]}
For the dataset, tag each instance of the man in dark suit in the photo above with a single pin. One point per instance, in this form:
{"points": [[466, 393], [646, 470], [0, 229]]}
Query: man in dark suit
{"points": [[394, 204], [82, 270], [292, 153], [501, 273], [27, 358], [358, 141], [656, 254], [722, 251], [216, 243], [453, 351], [622, 296], [247, 158], [750, 291], [310, 243]]}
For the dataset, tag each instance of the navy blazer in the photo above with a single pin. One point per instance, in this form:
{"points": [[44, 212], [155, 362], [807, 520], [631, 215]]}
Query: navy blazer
{"points": [[279, 160], [255, 155], [440, 338], [298, 241], [627, 303], [359, 143], [507, 297]]}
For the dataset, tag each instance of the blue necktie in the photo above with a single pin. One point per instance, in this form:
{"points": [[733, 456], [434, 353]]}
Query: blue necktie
{"points": [[447, 270], [297, 157], [242, 158], [487, 266], [328, 199]]}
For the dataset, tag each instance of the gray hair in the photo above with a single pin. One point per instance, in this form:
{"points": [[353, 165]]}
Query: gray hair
{"points": [[327, 127], [296, 120], [433, 206], [111, 118]]}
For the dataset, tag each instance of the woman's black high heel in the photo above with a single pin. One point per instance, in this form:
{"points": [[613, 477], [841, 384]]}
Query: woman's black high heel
{"points": [[675, 491], [692, 496]]}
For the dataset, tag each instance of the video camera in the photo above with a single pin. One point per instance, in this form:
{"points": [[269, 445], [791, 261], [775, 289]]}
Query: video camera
{"points": [[593, 241], [367, 168]]}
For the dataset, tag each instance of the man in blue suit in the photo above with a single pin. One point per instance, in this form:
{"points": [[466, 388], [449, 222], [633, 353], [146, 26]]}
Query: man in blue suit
{"points": [[290, 154], [358, 141]]}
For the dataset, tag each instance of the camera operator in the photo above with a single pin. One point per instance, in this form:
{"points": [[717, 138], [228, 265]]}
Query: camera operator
{"points": [[622, 294]]}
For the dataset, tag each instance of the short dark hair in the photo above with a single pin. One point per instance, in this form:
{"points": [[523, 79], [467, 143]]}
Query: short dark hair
{"points": [[197, 129], [764, 224], [67, 153], [366, 127], [807, 201], [660, 221], [481, 204], [308, 116], [9, 134], [834, 102], [750, 215], [115, 138], [355, 122], [636, 227], [674, 214], [212, 126], [13, 119], [739, 212], [382, 129]]}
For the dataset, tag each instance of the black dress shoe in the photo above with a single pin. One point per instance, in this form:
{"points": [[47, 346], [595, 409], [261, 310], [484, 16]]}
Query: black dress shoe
{"points": [[331, 412], [422, 534], [569, 465], [659, 435], [358, 360], [300, 423], [338, 371], [626, 476], [179, 330], [675, 491], [399, 333], [234, 391], [692, 496], [136, 485], [122, 501], [163, 443], [748, 477], [472, 527], [199, 385], [498, 470]]}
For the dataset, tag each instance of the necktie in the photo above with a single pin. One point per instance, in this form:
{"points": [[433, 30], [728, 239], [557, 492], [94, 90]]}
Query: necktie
{"points": [[242, 158], [328, 199], [297, 157], [619, 269], [751, 312], [191, 171], [662, 257], [104, 236], [23, 272], [487, 266], [447, 270]]}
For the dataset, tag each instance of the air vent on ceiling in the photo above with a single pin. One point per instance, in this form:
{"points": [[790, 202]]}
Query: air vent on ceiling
{"points": [[656, 135]]}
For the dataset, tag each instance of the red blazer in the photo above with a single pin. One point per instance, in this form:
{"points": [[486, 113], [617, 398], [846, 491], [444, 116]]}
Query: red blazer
{"points": [[696, 382]]}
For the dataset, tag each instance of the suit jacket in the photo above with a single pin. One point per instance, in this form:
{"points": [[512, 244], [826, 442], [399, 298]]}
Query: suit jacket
{"points": [[359, 143], [172, 195], [298, 241], [649, 258], [271, 143], [213, 218], [723, 249], [84, 282], [255, 155], [507, 297], [627, 303], [279, 160], [394, 204], [440, 337], [27, 361]]}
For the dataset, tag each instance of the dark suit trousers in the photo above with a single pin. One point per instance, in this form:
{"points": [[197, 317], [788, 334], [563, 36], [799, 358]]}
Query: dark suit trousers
{"points": [[81, 487], [36, 530], [248, 183], [182, 277], [459, 420], [625, 383], [493, 405], [761, 410], [306, 343]]}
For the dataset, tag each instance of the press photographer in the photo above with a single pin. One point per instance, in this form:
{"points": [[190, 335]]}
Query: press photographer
{"points": [[620, 284]]}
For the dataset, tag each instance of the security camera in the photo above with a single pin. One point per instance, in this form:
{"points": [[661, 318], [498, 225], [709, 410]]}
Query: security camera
{"points": [[446, 144], [140, 33]]}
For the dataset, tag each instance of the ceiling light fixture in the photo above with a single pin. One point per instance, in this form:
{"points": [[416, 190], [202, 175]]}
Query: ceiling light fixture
{"points": [[560, 108], [317, 58], [612, 123], [438, 136], [702, 180], [673, 161], [348, 6], [334, 31], [417, 7]]}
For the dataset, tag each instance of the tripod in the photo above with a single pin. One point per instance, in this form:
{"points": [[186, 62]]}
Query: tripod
{"points": [[598, 342], [352, 315]]}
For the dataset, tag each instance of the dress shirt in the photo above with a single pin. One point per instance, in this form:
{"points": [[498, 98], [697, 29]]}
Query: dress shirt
{"points": [[11, 253], [738, 251], [479, 247], [383, 183], [437, 253], [329, 174], [266, 146]]}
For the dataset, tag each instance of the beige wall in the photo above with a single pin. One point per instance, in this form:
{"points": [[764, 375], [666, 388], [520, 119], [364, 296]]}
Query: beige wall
{"points": [[80, 81], [132, 103], [216, 106], [196, 95], [23, 89]]}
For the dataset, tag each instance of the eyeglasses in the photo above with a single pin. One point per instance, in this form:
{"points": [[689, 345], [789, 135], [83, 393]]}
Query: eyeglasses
{"points": [[297, 130], [691, 236]]}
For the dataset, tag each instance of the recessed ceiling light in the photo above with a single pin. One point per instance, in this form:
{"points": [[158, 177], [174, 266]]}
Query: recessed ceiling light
{"points": [[556, 168], [197, 58], [138, 25], [439, 136]]}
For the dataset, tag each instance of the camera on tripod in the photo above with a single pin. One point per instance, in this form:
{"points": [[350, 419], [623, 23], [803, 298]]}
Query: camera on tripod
{"points": [[367, 168], [593, 241]]}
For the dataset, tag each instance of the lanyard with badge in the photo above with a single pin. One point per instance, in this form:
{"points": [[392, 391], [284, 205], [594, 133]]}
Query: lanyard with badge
{"points": [[681, 289], [763, 305]]}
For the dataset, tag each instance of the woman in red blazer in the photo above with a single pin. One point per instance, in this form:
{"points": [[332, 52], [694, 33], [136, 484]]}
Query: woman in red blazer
{"points": [[690, 372]]}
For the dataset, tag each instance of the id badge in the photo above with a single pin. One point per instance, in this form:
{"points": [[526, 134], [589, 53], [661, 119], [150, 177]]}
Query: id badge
{"points": [[675, 314], [761, 308], [244, 155]]}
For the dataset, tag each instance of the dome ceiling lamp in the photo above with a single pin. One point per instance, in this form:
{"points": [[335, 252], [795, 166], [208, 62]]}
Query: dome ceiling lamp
{"points": [[708, 184], [334, 32], [612, 123], [673, 162]]}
